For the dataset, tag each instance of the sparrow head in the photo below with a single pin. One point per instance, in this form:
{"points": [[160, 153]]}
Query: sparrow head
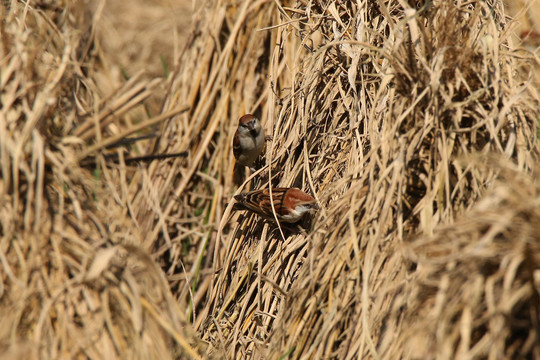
{"points": [[300, 201], [249, 125]]}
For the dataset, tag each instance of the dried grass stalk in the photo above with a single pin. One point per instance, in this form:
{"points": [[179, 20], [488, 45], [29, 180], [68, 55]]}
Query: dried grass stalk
{"points": [[476, 286], [74, 281]]}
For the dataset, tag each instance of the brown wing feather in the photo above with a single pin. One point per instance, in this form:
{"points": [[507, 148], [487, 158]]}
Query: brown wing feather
{"points": [[253, 200], [258, 201], [236, 145]]}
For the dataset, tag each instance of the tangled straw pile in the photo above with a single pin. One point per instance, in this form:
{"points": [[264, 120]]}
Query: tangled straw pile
{"points": [[414, 126], [74, 280], [475, 292], [375, 110]]}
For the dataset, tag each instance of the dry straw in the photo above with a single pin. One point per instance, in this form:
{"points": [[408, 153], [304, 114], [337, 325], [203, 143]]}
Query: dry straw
{"points": [[374, 109], [74, 282], [475, 292], [414, 126]]}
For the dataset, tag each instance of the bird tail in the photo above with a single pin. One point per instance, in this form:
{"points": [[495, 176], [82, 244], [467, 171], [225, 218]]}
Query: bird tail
{"points": [[238, 205]]}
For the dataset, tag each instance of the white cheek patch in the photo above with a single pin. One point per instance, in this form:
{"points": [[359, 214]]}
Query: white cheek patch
{"points": [[301, 209], [307, 208]]}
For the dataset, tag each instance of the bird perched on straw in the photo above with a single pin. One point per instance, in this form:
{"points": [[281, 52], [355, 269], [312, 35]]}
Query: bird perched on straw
{"points": [[290, 204], [249, 139]]}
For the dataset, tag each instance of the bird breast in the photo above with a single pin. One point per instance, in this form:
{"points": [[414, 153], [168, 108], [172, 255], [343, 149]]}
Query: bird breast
{"points": [[251, 146]]}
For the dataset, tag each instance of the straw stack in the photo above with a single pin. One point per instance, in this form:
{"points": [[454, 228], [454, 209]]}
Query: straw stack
{"points": [[384, 112], [74, 280]]}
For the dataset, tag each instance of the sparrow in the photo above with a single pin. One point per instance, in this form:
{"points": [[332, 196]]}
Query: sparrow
{"points": [[291, 204], [248, 142]]}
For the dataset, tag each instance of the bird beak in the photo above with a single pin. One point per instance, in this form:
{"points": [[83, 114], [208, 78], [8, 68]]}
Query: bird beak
{"points": [[252, 130]]}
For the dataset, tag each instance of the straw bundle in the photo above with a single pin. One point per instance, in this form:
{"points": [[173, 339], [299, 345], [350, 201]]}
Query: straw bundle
{"points": [[374, 108], [475, 292], [73, 282]]}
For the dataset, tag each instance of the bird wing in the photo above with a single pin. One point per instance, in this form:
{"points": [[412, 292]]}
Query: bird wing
{"points": [[259, 202], [236, 145]]}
